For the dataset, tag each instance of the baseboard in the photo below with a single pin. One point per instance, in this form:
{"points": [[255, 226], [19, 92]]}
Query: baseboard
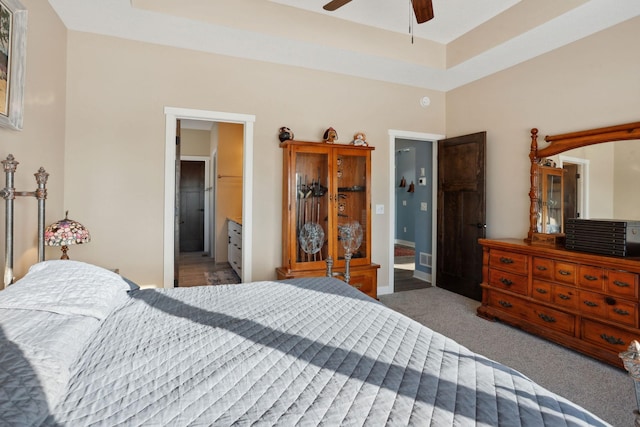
{"points": [[421, 275], [405, 243]]}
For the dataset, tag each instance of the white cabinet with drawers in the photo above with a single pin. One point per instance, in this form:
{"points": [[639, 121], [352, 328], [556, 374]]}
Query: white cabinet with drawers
{"points": [[234, 252]]}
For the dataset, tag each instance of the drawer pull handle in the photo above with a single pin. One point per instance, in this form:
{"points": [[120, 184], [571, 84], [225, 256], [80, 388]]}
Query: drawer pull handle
{"points": [[621, 284], [541, 291], [505, 281], [612, 340], [547, 318], [589, 277], [541, 267], [357, 285], [506, 260], [564, 297], [590, 304], [621, 312], [505, 304], [564, 272]]}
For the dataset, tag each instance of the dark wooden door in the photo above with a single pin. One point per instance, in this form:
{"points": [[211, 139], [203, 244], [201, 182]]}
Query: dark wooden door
{"points": [[191, 206], [461, 214], [570, 191]]}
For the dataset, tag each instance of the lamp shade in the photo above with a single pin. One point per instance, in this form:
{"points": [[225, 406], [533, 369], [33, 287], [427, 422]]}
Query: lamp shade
{"points": [[66, 232]]}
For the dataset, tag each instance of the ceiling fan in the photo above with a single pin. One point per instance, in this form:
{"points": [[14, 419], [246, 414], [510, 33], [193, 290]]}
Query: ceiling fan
{"points": [[423, 9]]}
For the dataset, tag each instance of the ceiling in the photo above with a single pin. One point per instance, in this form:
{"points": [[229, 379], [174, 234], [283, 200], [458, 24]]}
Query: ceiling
{"points": [[453, 18], [466, 41]]}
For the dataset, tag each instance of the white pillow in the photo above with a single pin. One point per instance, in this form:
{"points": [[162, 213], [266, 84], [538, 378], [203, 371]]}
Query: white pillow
{"points": [[67, 287]]}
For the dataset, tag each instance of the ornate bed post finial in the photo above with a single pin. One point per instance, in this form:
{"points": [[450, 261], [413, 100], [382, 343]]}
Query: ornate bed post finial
{"points": [[10, 164], [9, 194], [41, 194]]}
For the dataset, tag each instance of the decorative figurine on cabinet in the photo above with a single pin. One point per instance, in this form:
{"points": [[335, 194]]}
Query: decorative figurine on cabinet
{"points": [[285, 134], [360, 139], [330, 136]]}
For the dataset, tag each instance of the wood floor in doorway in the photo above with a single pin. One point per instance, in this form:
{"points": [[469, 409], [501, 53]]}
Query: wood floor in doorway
{"points": [[404, 267], [194, 265]]}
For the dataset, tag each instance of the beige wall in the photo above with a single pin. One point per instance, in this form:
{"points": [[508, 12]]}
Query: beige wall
{"points": [[117, 91], [41, 142], [590, 83], [195, 142], [228, 183]]}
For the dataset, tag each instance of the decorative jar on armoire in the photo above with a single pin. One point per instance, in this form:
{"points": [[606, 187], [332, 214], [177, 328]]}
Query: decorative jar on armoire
{"points": [[326, 187]]}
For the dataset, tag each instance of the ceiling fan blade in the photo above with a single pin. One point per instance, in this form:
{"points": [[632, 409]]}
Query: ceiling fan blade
{"points": [[423, 10], [333, 5]]}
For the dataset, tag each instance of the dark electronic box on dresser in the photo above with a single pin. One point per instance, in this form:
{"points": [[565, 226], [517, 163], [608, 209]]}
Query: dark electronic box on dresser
{"points": [[578, 289]]}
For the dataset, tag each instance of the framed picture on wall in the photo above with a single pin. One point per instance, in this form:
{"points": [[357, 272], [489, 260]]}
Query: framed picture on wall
{"points": [[13, 45]]}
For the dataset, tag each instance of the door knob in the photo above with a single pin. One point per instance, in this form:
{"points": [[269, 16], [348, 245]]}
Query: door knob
{"points": [[479, 225]]}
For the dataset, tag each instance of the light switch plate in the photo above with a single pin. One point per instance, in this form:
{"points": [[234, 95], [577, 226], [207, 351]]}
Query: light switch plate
{"points": [[379, 209]]}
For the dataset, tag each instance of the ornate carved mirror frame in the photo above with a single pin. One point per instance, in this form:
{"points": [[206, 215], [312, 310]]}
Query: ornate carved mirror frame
{"points": [[565, 142]]}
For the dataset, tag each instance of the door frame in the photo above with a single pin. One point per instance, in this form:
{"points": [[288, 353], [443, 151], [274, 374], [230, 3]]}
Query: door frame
{"points": [[172, 115], [419, 137], [208, 189]]}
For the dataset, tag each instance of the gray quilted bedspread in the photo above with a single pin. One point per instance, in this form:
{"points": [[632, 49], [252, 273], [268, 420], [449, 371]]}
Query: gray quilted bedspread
{"points": [[302, 352]]}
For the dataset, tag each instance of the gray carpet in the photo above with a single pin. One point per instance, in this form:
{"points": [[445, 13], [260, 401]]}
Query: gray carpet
{"points": [[602, 389]]}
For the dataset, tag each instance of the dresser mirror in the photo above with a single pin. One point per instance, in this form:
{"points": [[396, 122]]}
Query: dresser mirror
{"points": [[555, 193]]}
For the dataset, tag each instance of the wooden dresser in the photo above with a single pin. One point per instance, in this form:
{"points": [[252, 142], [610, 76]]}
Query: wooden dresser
{"points": [[579, 300]]}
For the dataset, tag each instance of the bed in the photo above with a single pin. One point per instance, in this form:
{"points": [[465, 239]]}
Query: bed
{"points": [[83, 346]]}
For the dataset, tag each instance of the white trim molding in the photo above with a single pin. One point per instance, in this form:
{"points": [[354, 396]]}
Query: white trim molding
{"points": [[172, 114], [416, 136]]}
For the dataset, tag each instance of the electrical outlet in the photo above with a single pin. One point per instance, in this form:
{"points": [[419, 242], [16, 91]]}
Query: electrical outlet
{"points": [[423, 206], [379, 209], [405, 229]]}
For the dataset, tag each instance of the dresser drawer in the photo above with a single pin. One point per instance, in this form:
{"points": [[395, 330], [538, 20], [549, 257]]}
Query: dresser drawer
{"points": [[622, 283], [533, 313], [508, 281], [610, 337], [509, 261], [542, 291], [591, 278], [592, 304], [364, 283], [607, 307], [543, 268], [566, 297], [553, 319], [235, 240], [565, 272], [624, 312], [234, 228]]}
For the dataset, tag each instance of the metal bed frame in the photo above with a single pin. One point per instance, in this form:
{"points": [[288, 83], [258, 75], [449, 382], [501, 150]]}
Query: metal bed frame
{"points": [[9, 194]]}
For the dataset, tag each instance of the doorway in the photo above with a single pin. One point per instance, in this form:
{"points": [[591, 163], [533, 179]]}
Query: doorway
{"points": [[424, 255], [172, 116]]}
